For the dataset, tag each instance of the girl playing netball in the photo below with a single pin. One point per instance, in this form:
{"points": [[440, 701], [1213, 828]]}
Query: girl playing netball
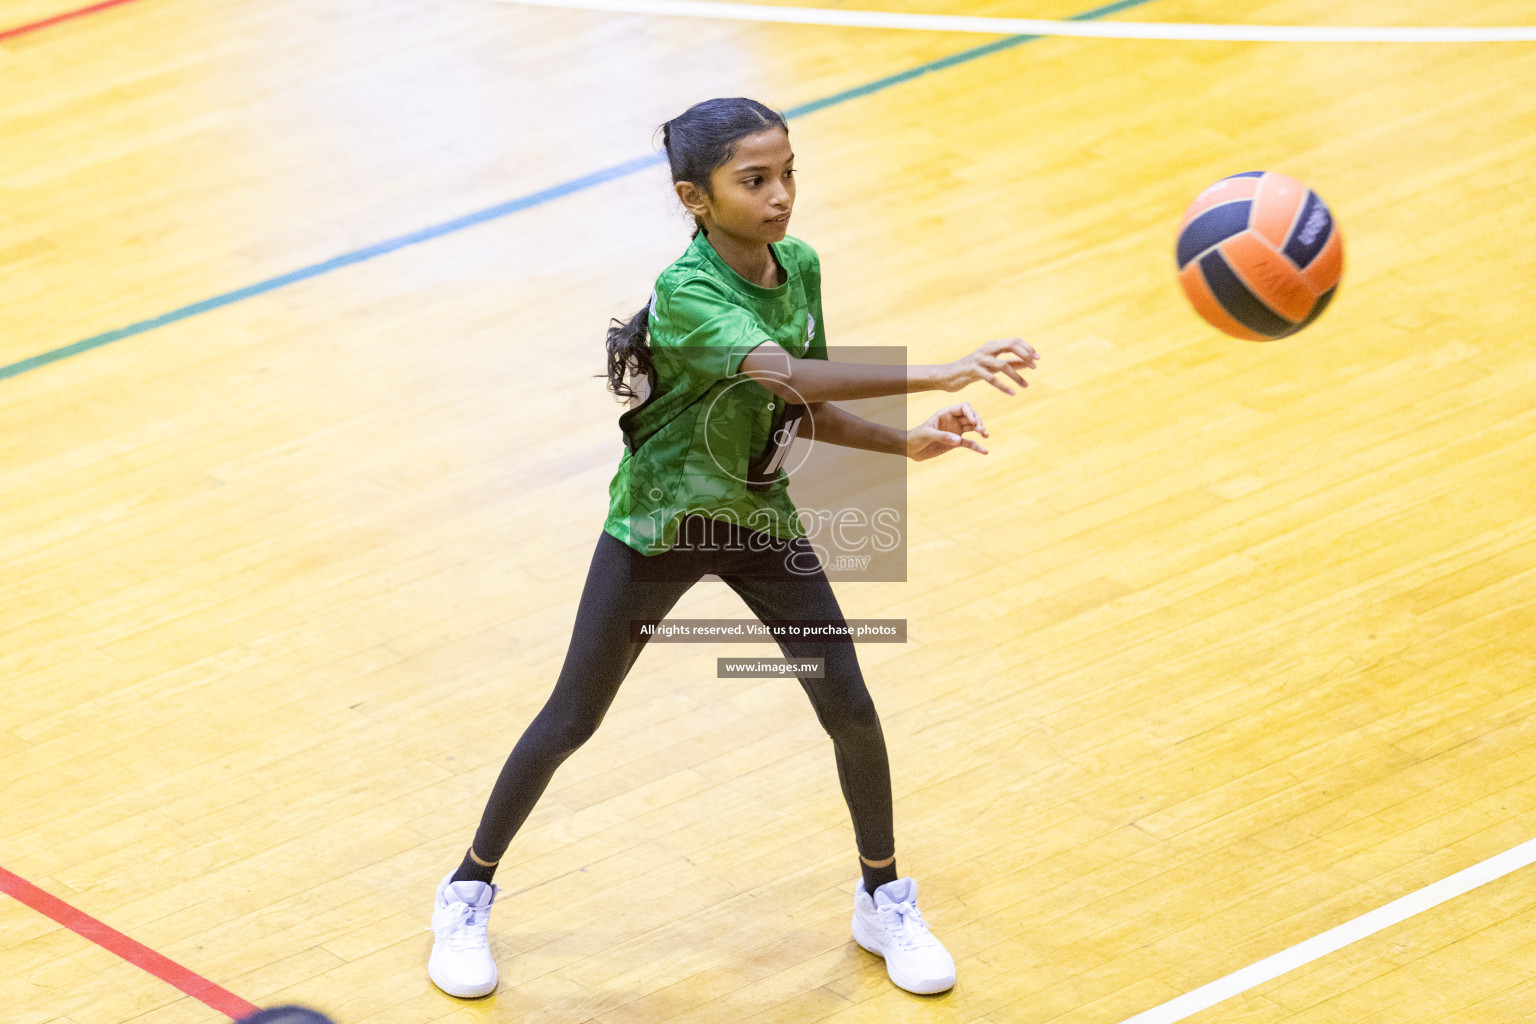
{"points": [[730, 355]]}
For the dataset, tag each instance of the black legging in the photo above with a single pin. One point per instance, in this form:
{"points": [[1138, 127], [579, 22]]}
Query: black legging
{"points": [[622, 585]]}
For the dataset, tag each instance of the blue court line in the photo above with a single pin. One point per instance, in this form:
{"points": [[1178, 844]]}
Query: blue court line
{"points": [[511, 206]]}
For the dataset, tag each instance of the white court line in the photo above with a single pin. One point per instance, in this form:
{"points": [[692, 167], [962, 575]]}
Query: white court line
{"points": [[1334, 939], [1037, 27]]}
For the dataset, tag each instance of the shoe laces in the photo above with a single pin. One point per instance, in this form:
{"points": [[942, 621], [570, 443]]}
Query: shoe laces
{"points": [[904, 922], [461, 926]]}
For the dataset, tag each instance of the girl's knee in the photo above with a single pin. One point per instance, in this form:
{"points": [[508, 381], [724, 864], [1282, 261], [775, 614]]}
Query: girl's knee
{"points": [[861, 716], [561, 735], [849, 714]]}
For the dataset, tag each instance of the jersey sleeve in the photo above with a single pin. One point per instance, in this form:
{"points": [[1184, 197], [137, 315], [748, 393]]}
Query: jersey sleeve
{"points": [[707, 332], [810, 274]]}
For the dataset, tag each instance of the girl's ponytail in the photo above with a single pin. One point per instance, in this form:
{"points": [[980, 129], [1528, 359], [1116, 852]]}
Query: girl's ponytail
{"points": [[629, 354]]}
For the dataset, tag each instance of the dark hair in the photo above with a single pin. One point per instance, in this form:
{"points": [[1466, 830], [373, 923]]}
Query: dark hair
{"points": [[286, 1015], [697, 141]]}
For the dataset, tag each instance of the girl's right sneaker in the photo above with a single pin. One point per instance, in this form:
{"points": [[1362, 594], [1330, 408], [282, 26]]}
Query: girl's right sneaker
{"points": [[890, 925], [461, 963]]}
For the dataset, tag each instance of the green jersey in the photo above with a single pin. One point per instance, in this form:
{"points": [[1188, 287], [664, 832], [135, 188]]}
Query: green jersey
{"points": [[708, 439]]}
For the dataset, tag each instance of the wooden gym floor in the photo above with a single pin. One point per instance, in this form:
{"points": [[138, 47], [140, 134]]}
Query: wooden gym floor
{"points": [[1223, 644]]}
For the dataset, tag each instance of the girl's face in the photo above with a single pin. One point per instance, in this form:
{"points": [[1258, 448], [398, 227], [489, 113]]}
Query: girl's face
{"points": [[753, 191]]}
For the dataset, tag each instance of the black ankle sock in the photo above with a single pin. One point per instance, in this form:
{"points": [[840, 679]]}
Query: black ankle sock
{"points": [[874, 878], [472, 871]]}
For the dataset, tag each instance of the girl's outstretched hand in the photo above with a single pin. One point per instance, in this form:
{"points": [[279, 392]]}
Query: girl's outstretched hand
{"points": [[990, 362], [944, 431]]}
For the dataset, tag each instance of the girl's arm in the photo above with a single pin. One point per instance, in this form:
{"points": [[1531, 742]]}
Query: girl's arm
{"points": [[809, 381], [824, 421], [941, 432]]}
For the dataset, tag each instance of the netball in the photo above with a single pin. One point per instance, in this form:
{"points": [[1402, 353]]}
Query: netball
{"points": [[1259, 255]]}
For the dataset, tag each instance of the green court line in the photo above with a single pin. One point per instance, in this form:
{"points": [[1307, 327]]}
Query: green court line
{"points": [[510, 207]]}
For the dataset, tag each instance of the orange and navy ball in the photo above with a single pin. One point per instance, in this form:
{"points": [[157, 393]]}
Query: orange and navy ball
{"points": [[1259, 255]]}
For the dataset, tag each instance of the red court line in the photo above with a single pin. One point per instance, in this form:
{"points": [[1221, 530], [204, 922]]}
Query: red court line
{"points": [[136, 953], [21, 30]]}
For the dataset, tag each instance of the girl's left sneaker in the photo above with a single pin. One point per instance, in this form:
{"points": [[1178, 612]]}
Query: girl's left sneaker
{"points": [[889, 925], [461, 963]]}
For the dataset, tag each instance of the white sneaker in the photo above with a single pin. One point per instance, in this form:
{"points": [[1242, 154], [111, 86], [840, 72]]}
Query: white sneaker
{"points": [[461, 963], [890, 925]]}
